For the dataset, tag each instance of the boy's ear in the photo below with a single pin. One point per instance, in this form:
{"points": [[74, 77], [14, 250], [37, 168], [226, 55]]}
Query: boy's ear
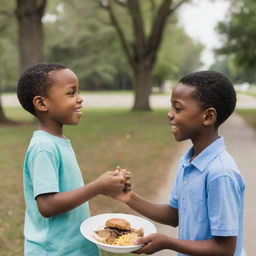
{"points": [[40, 104], [210, 116]]}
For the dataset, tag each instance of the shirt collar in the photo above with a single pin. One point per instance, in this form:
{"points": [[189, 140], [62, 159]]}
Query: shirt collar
{"points": [[206, 156]]}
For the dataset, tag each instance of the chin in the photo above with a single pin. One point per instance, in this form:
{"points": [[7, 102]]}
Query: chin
{"points": [[178, 138]]}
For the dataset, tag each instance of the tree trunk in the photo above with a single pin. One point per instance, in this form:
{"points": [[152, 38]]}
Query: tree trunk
{"points": [[3, 119], [143, 85], [29, 14]]}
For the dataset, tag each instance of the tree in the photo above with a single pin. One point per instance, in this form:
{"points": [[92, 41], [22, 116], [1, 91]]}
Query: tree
{"points": [[7, 50], [240, 36], [29, 14], [141, 51]]}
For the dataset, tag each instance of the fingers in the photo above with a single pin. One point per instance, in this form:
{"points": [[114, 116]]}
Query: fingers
{"points": [[127, 175], [122, 176], [142, 240]]}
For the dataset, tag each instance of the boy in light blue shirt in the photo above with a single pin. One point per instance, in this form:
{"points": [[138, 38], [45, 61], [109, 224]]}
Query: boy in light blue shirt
{"points": [[55, 195], [207, 197]]}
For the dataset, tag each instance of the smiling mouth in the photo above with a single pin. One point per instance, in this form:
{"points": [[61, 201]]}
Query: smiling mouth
{"points": [[78, 110]]}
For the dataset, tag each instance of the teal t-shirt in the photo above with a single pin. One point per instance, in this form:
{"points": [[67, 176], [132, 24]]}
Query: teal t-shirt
{"points": [[51, 166]]}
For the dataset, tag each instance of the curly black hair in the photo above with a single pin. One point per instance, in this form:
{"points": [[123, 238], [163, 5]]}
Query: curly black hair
{"points": [[213, 89], [35, 81]]}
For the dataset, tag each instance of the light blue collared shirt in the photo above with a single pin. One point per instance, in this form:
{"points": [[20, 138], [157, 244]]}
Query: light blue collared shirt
{"points": [[209, 194]]}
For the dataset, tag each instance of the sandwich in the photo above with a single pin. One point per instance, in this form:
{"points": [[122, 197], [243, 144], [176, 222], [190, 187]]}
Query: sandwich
{"points": [[118, 231]]}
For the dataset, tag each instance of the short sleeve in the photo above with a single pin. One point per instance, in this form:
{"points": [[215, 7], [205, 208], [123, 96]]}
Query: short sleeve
{"points": [[43, 169], [173, 201], [224, 204]]}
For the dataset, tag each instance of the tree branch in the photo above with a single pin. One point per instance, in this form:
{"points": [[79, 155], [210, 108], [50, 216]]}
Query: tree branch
{"points": [[138, 27], [108, 6], [178, 5], [155, 38], [156, 32]]}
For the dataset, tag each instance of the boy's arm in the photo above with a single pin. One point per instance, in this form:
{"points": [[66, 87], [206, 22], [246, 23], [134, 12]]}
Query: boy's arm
{"points": [[53, 204], [162, 213], [223, 246]]}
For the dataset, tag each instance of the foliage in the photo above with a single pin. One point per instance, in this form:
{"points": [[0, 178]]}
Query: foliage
{"points": [[79, 34], [226, 65], [239, 35], [178, 55], [87, 43]]}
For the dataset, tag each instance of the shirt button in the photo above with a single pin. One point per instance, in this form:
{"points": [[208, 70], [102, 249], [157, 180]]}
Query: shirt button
{"points": [[185, 182]]}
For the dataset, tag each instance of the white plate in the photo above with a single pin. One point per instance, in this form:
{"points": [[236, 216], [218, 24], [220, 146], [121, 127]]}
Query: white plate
{"points": [[97, 222]]}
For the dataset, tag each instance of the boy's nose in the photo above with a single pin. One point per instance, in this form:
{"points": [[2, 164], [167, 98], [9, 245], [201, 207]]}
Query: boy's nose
{"points": [[79, 98], [170, 114]]}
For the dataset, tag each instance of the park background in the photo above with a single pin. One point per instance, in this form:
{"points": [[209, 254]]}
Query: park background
{"points": [[135, 50]]}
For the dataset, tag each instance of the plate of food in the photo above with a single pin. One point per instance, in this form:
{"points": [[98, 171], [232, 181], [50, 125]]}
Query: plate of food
{"points": [[115, 232]]}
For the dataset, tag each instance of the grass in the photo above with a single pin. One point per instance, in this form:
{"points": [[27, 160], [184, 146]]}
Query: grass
{"points": [[104, 139], [249, 115]]}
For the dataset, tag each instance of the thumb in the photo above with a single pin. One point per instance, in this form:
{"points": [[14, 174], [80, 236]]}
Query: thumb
{"points": [[141, 240], [116, 172]]}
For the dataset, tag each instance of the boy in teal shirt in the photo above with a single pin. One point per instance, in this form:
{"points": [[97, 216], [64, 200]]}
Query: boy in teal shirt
{"points": [[55, 195]]}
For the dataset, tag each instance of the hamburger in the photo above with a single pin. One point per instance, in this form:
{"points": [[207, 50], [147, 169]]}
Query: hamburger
{"points": [[117, 231]]}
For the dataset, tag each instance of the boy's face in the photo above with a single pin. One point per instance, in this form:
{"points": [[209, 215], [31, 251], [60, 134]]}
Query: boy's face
{"points": [[186, 117], [64, 103]]}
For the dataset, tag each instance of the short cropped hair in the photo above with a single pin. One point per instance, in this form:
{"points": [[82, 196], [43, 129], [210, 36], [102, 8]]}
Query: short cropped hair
{"points": [[212, 89], [35, 81]]}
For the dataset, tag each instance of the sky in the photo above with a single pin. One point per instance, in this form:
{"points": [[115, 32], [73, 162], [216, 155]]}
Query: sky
{"points": [[199, 20]]}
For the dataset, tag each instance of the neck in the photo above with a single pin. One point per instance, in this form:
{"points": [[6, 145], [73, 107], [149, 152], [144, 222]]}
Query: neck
{"points": [[204, 142], [54, 130]]}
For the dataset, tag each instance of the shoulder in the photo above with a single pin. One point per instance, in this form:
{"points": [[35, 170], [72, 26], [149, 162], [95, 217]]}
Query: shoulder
{"points": [[224, 167], [41, 142]]}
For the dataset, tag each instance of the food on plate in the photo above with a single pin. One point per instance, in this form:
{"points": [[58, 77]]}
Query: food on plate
{"points": [[118, 231], [118, 223]]}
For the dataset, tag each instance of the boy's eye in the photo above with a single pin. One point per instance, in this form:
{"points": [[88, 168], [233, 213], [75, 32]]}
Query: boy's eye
{"points": [[177, 109], [71, 93]]}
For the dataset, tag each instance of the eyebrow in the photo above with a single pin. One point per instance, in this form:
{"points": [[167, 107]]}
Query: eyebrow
{"points": [[71, 86]]}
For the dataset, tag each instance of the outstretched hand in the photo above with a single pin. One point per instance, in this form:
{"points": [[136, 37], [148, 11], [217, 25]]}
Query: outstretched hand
{"points": [[152, 243], [124, 196], [110, 183]]}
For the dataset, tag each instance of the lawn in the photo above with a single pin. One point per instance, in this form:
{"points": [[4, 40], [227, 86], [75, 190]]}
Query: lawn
{"points": [[138, 141]]}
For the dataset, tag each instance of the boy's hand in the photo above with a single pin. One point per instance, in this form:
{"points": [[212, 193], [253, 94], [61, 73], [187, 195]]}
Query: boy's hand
{"points": [[127, 175], [110, 183], [152, 243], [125, 195]]}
